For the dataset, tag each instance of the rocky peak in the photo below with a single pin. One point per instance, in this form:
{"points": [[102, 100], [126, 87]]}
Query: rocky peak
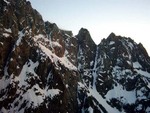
{"points": [[143, 50], [117, 47], [111, 36], [50, 27], [19, 15], [87, 49], [84, 36]]}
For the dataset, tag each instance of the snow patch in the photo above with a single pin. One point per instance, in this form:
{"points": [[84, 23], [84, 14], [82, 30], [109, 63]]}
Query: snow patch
{"points": [[72, 44], [147, 110], [56, 59], [121, 94], [6, 34], [55, 44], [67, 85], [93, 92], [112, 48], [130, 45], [18, 67], [129, 62], [11, 59], [94, 68], [20, 38], [6, 1], [136, 65], [7, 30], [4, 83], [81, 85], [27, 68], [1, 43], [67, 35], [35, 99], [146, 82], [90, 109], [139, 107], [111, 42], [91, 63], [39, 36], [3, 110], [140, 94], [144, 73]]}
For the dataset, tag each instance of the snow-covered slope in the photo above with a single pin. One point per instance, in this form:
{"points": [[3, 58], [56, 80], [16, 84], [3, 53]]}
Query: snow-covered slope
{"points": [[48, 70]]}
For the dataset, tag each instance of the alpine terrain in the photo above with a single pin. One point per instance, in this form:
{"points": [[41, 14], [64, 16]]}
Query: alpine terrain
{"points": [[44, 69]]}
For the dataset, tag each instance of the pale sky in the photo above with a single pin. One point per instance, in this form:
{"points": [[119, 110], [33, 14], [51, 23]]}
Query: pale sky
{"points": [[129, 18]]}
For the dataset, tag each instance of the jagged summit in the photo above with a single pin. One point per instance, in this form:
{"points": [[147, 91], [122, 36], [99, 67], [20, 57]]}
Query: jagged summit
{"points": [[112, 35], [84, 31], [84, 35], [45, 69], [50, 27]]}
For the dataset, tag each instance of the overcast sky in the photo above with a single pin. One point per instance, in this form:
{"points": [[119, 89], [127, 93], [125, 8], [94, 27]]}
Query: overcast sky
{"points": [[130, 18]]}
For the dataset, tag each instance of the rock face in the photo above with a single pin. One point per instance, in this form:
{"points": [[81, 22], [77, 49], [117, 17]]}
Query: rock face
{"points": [[44, 69]]}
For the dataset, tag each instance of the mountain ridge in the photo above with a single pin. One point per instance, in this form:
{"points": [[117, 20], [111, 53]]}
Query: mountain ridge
{"points": [[47, 69]]}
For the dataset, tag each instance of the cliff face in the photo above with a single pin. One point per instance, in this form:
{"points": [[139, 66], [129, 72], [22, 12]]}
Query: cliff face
{"points": [[46, 69], [36, 72]]}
